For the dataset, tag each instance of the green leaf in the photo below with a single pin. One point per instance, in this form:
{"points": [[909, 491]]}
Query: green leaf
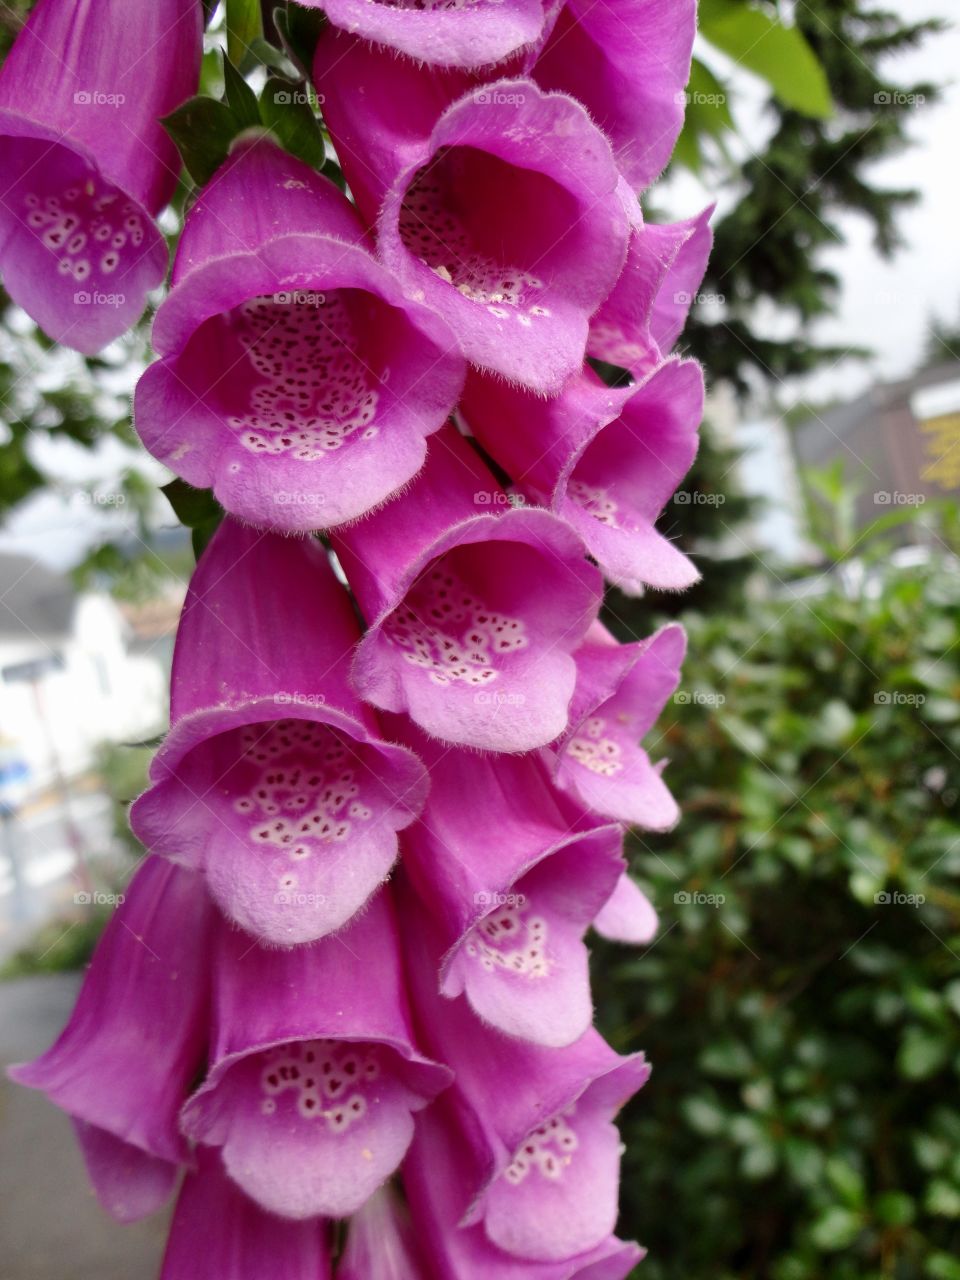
{"points": [[244, 26], [285, 109], [894, 1209], [922, 1053], [836, 1229], [270, 56], [201, 535], [943, 1266], [202, 129], [241, 99], [727, 1058], [299, 29], [943, 1199], [778, 54], [846, 1181], [707, 115], [192, 507]]}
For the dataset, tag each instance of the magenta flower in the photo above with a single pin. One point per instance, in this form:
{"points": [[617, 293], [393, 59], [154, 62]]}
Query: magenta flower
{"points": [[607, 460], [381, 1244], [295, 379], [273, 780], [218, 1233], [86, 163], [314, 1077], [540, 1149], [474, 606], [645, 313], [380, 110], [464, 33], [628, 64], [123, 1065], [621, 690], [437, 1178], [510, 914], [511, 221]]}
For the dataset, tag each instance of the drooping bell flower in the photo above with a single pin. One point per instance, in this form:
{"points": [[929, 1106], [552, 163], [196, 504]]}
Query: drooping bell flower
{"points": [[381, 1244], [621, 690], [273, 780], [295, 379], [512, 222], [511, 912], [86, 163], [438, 1175], [379, 110], [606, 459], [218, 1233], [538, 1122], [628, 64], [125, 1062], [474, 606], [464, 33], [314, 1077], [645, 313]]}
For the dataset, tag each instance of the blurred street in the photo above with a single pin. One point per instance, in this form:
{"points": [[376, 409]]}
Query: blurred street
{"points": [[63, 1234]]}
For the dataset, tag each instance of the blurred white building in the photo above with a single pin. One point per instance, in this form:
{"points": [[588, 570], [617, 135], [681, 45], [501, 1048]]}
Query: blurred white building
{"points": [[73, 674]]}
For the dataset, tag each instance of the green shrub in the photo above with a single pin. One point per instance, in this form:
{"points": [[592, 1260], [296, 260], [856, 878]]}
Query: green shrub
{"points": [[803, 1017]]}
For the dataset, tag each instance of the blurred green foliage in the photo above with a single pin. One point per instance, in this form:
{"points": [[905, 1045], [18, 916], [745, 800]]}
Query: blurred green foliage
{"points": [[803, 1014]]}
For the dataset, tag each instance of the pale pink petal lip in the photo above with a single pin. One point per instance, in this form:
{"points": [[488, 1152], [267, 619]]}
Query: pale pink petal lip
{"points": [[472, 617]]}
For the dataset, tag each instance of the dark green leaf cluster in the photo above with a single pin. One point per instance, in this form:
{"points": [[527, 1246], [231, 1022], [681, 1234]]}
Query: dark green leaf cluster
{"points": [[802, 1005]]}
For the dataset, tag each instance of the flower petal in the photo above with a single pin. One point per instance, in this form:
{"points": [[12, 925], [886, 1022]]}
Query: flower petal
{"points": [[219, 1234], [136, 1036], [272, 780], [472, 616], [628, 64], [510, 223], [314, 1074], [295, 378], [627, 915]]}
